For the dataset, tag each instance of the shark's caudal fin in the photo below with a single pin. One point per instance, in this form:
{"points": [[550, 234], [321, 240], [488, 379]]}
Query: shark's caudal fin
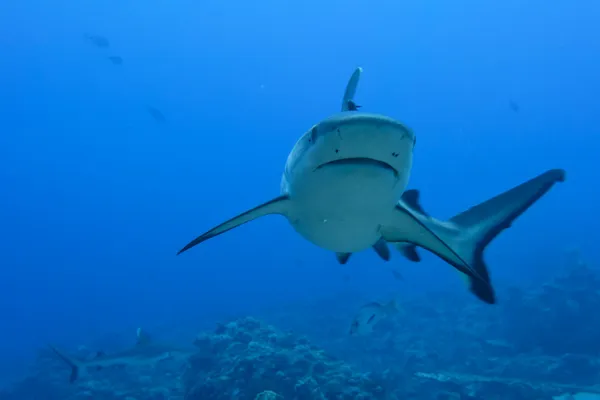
{"points": [[462, 240], [279, 205], [74, 364], [380, 247], [348, 103]]}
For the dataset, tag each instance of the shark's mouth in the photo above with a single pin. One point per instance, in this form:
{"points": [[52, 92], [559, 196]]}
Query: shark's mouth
{"points": [[354, 161]]}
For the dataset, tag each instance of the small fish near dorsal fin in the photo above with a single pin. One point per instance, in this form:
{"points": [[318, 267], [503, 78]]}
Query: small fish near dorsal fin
{"points": [[348, 103], [410, 198], [142, 338]]}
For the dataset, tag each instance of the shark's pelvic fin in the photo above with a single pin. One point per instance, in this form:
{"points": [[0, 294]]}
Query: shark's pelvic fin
{"points": [[279, 205], [409, 250], [463, 239], [348, 103], [75, 365], [343, 257], [382, 249]]}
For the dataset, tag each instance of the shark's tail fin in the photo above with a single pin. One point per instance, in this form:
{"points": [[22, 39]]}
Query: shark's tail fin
{"points": [[467, 234], [75, 365]]}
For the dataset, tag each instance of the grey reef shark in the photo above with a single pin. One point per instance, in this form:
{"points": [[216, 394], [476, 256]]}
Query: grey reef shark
{"points": [[344, 188], [145, 353]]}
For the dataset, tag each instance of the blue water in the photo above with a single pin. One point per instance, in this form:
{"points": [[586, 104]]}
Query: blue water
{"points": [[96, 197]]}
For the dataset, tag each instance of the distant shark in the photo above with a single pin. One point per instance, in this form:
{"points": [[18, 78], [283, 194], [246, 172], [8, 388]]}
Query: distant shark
{"points": [[144, 353], [344, 189]]}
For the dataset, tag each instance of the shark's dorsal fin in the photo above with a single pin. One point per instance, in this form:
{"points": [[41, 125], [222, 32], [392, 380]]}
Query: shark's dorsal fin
{"points": [[348, 103], [142, 338]]}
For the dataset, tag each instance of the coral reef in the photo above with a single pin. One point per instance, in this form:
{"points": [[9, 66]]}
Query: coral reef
{"points": [[245, 357], [537, 344]]}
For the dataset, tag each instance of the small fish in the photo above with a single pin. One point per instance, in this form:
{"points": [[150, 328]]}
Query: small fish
{"points": [[156, 114], [514, 106], [369, 315], [98, 41], [116, 60], [397, 275]]}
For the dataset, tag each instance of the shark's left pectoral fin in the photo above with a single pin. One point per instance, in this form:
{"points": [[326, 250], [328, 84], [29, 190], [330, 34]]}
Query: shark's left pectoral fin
{"points": [[279, 205]]}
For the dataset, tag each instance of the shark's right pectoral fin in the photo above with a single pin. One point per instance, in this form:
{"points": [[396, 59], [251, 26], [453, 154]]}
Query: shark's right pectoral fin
{"points": [[462, 240], [279, 205]]}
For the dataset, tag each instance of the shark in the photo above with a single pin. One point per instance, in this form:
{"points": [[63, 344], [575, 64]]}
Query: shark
{"points": [[146, 352], [344, 188]]}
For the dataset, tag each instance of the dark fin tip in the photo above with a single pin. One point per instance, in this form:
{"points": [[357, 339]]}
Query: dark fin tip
{"points": [[410, 252], [560, 174], [382, 249], [343, 257], [484, 291]]}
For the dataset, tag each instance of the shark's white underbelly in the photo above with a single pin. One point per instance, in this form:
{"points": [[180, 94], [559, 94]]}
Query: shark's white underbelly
{"points": [[341, 207]]}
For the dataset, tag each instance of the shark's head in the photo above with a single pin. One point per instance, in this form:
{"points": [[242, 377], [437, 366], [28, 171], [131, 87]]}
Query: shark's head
{"points": [[354, 144], [344, 175]]}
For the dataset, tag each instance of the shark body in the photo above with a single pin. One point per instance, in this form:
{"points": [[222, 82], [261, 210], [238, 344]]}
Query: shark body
{"points": [[344, 189], [144, 353]]}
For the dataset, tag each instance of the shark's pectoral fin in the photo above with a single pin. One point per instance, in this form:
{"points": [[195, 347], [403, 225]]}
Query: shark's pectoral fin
{"points": [[343, 257], [462, 240], [480, 224], [279, 205], [382, 249]]}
